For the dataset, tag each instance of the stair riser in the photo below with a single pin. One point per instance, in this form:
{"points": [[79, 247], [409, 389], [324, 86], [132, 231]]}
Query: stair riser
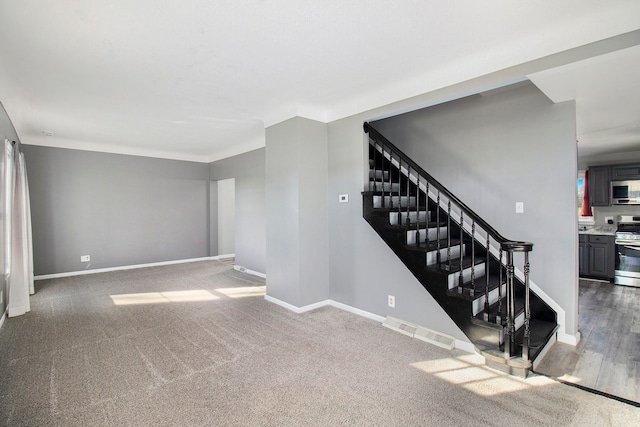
{"points": [[453, 281], [432, 257], [421, 216], [384, 186], [378, 175], [392, 201], [478, 303], [519, 321], [433, 235]]}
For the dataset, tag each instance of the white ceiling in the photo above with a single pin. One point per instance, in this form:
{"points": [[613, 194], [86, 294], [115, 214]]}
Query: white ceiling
{"points": [[199, 80], [606, 89]]}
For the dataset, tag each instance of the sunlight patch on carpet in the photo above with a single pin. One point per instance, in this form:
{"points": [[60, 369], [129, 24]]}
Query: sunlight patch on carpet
{"points": [[478, 378], [163, 297], [247, 291]]}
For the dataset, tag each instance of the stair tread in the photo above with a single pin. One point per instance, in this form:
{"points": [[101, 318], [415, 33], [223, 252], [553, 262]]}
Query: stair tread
{"points": [[493, 310], [455, 265], [432, 246], [412, 226], [479, 287], [382, 193], [540, 331]]}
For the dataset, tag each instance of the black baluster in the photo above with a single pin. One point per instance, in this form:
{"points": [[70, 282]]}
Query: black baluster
{"points": [[473, 258], [384, 201], [375, 168], [461, 278], [527, 310], [511, 304], [417, 210], [390, 181], [486, 282], [382, 181], [408, 192], [499, 314], [449, 235], [426, 213], [438, 257], [399, 191]]}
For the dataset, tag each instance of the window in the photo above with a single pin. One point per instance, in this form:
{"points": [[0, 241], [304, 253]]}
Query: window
{"points": [[580, 192]]}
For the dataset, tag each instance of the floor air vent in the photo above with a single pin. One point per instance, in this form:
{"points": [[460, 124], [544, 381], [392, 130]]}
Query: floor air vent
{"points": [[418, 332]]}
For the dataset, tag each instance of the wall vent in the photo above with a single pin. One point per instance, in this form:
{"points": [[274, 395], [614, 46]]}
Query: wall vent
{"points": [[419, 332]]}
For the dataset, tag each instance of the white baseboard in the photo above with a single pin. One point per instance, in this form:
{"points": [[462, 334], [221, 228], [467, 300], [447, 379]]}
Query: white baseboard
{"points": [[252, 272], [459, 344], [327, 302], [357, 311], [224, 256], [295, 309], [569, 339], [16, 311], [124, 267], [465, 346]]}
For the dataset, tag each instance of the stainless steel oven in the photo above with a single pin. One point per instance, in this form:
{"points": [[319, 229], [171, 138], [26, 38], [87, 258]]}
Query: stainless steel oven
{"points": [[628, 251]]}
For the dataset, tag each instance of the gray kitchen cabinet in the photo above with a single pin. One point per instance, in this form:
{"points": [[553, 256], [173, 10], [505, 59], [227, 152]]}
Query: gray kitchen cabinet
{"points": [[596, 256], [623, 172], [599, 182], [583, 255]]}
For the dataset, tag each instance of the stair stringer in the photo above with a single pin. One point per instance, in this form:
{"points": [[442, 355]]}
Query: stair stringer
{"points": [[435, 283]]}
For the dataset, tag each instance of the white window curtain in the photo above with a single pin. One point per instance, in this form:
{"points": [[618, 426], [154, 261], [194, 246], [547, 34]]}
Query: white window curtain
{"points": [[16, 227]]}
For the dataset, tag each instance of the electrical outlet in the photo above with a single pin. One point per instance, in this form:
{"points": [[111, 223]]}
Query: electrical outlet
{"points": [[391, 300], [519, 207], [343, 198], [85, 258]]}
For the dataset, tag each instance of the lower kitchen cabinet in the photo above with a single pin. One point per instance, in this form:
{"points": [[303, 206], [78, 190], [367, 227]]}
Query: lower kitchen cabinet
{"points": [[596, 254], [583, 258]]}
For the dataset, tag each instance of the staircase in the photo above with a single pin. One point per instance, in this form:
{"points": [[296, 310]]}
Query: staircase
{"points": [[464, 263]]}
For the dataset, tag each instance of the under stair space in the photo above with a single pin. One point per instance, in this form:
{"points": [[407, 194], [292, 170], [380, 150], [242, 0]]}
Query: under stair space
{"points": [[463, 262]]}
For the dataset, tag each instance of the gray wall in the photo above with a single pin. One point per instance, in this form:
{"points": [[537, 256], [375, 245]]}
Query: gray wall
{"points": [[7, 131], [226, 216], [248, 169], [121, 210], [297, 218], [496, 149]]}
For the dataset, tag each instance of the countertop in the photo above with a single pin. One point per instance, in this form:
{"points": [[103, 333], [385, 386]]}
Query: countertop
{"points": [[607, 230]]}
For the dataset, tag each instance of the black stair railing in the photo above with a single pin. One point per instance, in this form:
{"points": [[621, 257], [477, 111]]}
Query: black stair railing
{"points": [[471, 225]]}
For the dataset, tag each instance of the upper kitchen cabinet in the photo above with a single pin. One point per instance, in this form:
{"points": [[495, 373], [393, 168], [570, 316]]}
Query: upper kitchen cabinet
{"points": [[599, 177], [623, 172]]}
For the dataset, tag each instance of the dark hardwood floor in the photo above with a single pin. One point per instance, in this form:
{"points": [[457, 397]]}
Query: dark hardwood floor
{"points": [[607, 358]]}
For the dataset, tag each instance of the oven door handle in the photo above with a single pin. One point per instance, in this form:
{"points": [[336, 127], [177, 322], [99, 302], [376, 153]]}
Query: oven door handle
{"points": [[627, 242], [634, 247]]}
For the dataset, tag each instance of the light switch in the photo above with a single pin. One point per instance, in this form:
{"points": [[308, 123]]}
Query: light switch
{"points": [[519, 207]]}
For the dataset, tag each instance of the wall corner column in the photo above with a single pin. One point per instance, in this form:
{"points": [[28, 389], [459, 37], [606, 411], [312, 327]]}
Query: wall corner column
{"points": [[296, 212]]}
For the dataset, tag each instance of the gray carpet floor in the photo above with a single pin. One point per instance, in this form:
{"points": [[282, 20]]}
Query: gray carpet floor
{"points": [[197, 344]]}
